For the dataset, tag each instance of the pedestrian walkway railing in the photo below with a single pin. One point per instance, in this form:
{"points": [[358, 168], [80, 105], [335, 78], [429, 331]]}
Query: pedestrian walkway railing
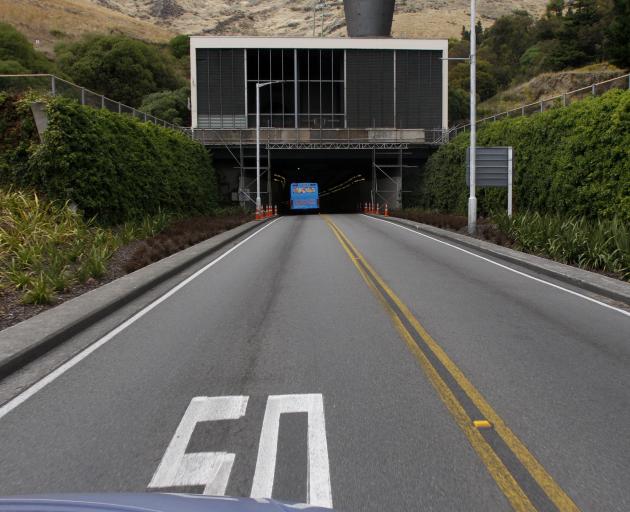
{"points": [[561, 100], [55, 86]]}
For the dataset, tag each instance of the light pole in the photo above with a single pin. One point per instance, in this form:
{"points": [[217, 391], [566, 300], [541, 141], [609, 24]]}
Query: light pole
{"points": [[472, 200], [259, 85]]}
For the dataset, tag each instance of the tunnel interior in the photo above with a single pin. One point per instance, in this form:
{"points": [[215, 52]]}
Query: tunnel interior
{"points": [[343, 178]]}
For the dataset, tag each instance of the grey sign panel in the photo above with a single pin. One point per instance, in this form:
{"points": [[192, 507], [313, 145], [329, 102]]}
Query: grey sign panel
{"points": [[493, 165]]}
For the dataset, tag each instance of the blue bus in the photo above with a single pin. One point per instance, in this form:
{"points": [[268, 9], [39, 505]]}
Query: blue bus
{"points": [[304, 196]]}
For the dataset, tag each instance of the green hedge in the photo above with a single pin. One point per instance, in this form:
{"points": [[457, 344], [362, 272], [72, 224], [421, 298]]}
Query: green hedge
{"points": [[112, 166], [572, 161]]}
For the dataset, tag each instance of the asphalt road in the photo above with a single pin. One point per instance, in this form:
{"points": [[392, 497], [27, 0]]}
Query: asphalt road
{"points": [[342, 360]]}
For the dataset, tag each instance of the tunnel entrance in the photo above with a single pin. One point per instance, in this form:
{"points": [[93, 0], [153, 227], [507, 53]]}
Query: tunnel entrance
{"points": [[342, 177], [346, 178]]}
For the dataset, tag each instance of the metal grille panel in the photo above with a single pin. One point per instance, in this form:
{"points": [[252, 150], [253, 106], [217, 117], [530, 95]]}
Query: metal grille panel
{"points": [[220, 87], [418, 89], [370, 88]]}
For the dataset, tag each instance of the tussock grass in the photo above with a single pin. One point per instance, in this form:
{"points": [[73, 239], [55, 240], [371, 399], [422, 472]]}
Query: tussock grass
{"points": [[47, 246], [602, 245]]}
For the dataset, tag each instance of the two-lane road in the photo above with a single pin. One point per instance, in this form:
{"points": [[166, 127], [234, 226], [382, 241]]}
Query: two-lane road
{"points": [[343, 360]]}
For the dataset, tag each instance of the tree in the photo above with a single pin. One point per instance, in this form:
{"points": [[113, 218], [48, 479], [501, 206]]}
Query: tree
{"points": [[618, 34], [539, 58], [119, 67], [581, 35], [18, 53], [12, 67], [180, 46], [458, 105], [504, 44], [555, 8], [172, 106], [478, 33], [459, 78]]}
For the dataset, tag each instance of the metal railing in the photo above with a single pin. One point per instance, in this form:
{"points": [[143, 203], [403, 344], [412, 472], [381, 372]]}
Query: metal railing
{"points": [[331, 138], [562, 100], [55, 86]]}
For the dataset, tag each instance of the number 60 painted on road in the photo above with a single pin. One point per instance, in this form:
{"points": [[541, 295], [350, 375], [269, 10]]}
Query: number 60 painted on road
{"points": [[212, 469]]}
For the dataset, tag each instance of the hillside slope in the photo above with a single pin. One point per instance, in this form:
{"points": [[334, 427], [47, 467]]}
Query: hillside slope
{"points": [[157, 20], [547, 85], [49, 21], [414, 18]]}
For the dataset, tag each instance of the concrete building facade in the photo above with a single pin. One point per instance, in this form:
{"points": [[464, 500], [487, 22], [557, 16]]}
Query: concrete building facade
{"points": [[342, 107]]}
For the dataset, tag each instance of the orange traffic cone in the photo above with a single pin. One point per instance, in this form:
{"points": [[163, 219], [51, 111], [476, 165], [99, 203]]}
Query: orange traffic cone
{"points": [[378, 208], [386, 213], [275, 210], [258, 214]]}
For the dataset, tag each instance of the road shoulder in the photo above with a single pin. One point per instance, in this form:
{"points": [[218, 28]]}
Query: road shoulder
{"points": [[606, 286], [24, 342]]}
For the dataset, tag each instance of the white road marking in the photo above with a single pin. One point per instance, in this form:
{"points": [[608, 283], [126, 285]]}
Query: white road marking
{"points": [[51, 377], [319, 490], [590, 299], [211, 469]]}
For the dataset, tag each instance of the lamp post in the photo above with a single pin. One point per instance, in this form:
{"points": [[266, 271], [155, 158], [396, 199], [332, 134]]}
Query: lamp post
{"points": [[259, 85], [472, 199]]}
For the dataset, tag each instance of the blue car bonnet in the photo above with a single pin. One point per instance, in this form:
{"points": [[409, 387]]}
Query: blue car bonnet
{"points": [[145, 502]]}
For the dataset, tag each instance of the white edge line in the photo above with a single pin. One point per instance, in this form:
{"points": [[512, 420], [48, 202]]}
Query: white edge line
{"points": [[59, 371], [567, 290]]}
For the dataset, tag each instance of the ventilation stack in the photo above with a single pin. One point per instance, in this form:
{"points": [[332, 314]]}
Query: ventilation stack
{"points": [[369, 18]]}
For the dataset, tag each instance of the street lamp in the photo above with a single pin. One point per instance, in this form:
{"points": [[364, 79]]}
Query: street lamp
{"points": [[259, 85], [472, 200]]}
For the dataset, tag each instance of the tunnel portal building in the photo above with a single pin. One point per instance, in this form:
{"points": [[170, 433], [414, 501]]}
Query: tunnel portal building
{"points": [[356, 115]]}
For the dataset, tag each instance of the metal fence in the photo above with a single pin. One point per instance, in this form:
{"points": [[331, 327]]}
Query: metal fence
{"points": [[562, 100], [55, 86]]}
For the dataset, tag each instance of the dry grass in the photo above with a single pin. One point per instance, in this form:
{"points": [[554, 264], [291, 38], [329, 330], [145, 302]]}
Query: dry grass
{"points": [[52, 20], [144, 20], [413, 19], [547, 85]]}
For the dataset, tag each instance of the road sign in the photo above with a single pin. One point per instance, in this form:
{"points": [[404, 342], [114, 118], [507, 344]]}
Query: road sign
{"points": [[493, 169]]}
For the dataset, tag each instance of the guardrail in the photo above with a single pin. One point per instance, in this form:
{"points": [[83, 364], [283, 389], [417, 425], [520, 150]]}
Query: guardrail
{"points": [[341, 138], [55, 86], [562, 100]]}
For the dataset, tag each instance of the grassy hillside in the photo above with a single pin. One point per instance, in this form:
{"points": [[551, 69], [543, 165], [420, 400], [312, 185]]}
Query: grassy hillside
{"points": [[547, 85], [51, 21]]}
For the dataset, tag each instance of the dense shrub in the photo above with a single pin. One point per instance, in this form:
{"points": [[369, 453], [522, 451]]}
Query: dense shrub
{"points": [[115, 167], [17, 54], [572, 161], [119, 67], [172, 106]]}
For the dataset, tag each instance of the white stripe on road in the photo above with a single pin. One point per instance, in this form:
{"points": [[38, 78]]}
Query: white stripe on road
{"points": [[319, 491], [51, 377], [590, 299]]}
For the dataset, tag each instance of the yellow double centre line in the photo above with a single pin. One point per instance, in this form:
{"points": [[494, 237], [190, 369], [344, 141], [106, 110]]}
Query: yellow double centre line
{"points": [[504, 478]]}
